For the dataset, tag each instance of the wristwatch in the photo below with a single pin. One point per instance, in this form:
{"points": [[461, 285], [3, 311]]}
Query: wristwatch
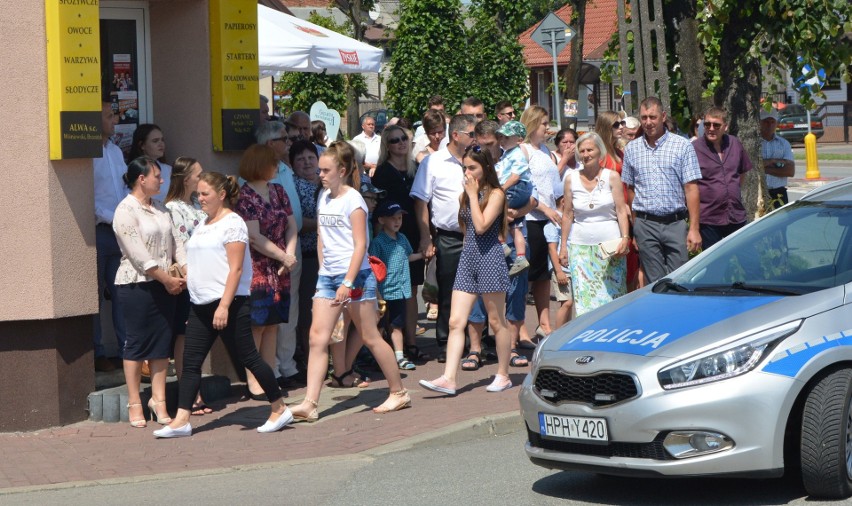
{"points": [[779, 165], [347, 284]]}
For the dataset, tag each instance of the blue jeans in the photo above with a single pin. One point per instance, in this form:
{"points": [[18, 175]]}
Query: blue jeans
{"points": [[365, 281], [108, 257], [517, 196]]}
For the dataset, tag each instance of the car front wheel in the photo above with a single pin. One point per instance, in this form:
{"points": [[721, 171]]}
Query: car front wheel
{"points": [[826, 444]]}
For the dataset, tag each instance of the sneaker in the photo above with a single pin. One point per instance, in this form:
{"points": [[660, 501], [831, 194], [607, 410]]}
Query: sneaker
{"points": [[507, 250], [518, 266], [405, 365], [499, 384]]}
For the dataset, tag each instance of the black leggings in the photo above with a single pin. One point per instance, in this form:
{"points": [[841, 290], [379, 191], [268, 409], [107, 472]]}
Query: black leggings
{"points": [[237, 337]]}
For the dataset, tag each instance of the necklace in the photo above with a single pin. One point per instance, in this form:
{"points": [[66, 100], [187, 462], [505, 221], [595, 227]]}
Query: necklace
{"points": [[598, 187]]}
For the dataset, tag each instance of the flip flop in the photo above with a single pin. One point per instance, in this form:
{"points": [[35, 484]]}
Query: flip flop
{"points": [[200, 409]]}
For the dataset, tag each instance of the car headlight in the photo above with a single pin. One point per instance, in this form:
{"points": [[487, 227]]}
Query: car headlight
{"points": [[737, 358]]}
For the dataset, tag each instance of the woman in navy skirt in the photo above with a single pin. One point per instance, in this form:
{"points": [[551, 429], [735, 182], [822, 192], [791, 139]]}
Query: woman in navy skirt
{"points": [[145, 288]]}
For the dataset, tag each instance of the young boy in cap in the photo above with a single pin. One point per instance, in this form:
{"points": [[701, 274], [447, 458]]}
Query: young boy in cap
{"points": [[513, 171], [393, 248]]}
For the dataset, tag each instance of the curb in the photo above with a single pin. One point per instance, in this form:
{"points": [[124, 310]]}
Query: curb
{"points": [[475, 428], [490, 425]]}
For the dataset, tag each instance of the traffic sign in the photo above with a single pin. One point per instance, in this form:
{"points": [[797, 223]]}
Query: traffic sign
{"points": [[552, 29]]}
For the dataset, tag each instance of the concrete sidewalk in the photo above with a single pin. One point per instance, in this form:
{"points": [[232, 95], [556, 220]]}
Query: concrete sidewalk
{"points": [[93, 451]]}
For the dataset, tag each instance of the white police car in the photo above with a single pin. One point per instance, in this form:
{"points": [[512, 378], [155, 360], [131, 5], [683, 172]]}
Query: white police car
{"points": [[739, 363]]}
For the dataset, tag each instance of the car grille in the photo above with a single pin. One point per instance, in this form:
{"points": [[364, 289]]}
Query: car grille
{"points": [[602, 389], [653, 450]]}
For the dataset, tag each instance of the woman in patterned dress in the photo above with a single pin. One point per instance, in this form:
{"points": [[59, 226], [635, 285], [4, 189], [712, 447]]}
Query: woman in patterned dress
{"points": [[595, 212], [272, 235], [482, 270], [182, 203]]}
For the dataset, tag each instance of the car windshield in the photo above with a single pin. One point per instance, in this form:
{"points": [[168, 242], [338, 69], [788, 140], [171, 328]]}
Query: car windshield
{"points": [[801, 248], [794, 110]]}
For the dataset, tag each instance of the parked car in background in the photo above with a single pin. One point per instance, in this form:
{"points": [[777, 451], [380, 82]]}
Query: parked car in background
{"points": [[382, 116], [739, 363], [793, 123]]}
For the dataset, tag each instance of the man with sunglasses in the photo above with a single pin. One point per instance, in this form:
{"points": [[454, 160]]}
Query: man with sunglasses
{"points": [[440, 181], [505, 112], [722, 160]]}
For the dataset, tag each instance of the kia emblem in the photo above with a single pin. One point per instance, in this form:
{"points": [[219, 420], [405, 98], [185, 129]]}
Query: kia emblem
{"points": [[585, 359]]}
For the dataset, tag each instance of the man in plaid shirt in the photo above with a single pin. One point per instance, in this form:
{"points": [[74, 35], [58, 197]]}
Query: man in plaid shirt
{"points": [[661, 172]]}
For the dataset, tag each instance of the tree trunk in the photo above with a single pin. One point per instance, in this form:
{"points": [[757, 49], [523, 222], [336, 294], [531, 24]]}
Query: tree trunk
{"points": [[352, 9], [740, 96], [571, 74], [682, 26]]}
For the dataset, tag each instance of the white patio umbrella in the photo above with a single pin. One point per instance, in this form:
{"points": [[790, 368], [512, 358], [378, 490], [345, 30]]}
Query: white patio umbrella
{"points": [[287, 43]]}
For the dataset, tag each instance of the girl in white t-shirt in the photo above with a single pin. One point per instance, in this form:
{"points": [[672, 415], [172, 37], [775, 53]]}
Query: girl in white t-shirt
{"points": [[345, 280], [219, 281]]}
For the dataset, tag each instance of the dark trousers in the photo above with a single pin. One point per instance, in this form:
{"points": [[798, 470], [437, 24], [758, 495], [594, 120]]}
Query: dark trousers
{"points": [[237, 337], [108, 258], [448, 250], [777, 197], [711, 234]]}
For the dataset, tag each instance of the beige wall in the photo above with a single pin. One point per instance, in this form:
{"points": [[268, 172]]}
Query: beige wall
{"points": [[180, 60], [46, 213]]}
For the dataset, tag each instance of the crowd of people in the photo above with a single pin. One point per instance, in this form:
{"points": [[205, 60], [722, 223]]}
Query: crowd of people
{"points": [[318, 252]]}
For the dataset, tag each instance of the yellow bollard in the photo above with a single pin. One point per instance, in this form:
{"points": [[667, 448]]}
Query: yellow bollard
{"points": [[811, 162]]}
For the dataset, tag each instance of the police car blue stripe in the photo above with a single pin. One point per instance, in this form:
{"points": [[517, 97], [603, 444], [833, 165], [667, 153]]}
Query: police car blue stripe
{"points": [[790, 361], [656, 320]]}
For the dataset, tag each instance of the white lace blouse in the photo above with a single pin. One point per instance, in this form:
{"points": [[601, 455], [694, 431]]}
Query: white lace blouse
{"points": [[147, 239]]}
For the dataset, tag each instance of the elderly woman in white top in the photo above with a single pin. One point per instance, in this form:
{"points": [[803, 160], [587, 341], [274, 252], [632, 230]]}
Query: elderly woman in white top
{"points": [[146, 289], [182, 202], [595, 228]]}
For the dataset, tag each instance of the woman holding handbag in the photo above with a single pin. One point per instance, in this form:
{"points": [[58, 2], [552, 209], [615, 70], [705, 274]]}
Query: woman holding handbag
{"points": [[595, 228], [149, 246]]}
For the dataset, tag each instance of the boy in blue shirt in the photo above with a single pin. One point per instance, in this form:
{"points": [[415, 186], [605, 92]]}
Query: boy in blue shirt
{"points": [[393, 248], [513, 172]]}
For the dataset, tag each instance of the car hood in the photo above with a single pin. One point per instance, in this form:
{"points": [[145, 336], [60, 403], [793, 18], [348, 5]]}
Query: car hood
{"points": [[669, 325]]}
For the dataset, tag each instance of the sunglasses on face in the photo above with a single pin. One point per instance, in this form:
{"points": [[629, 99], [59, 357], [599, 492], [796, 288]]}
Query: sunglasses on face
{"points": [[509, 113], [469, 134], [397, 140], [619, 124], [708, 125]]}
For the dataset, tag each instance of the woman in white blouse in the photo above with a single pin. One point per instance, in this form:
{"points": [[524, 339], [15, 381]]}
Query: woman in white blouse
{"points": [[149, 246], [186, 212], [219, 278]]}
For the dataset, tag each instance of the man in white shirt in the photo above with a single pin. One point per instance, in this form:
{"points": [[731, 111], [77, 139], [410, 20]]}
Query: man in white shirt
{"points": [[777, 159], [440, 181], [110, 190], [371, 143], [279, 137]]}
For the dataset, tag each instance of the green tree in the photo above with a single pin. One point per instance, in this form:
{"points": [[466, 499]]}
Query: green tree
{"points": [[429, 56], [305, 88], [743, 39], [496, 69]]}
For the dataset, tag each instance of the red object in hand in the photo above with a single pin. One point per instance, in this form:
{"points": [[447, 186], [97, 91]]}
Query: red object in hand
{"points": [[356, 293]]}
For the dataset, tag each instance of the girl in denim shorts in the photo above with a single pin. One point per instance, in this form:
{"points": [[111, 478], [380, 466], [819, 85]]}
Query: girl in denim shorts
{"points": [[345, 280]]}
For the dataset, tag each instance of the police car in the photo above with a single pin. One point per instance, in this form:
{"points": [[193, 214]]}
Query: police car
{"points": [[739, 363]]}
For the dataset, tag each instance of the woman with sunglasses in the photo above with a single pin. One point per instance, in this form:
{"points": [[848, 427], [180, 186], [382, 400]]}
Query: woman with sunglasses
{"points": [[610, 127], [395, 175], [482, 270]]}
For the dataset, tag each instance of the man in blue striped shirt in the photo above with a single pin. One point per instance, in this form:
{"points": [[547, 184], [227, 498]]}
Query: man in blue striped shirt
{"points": [[661, 173]]}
